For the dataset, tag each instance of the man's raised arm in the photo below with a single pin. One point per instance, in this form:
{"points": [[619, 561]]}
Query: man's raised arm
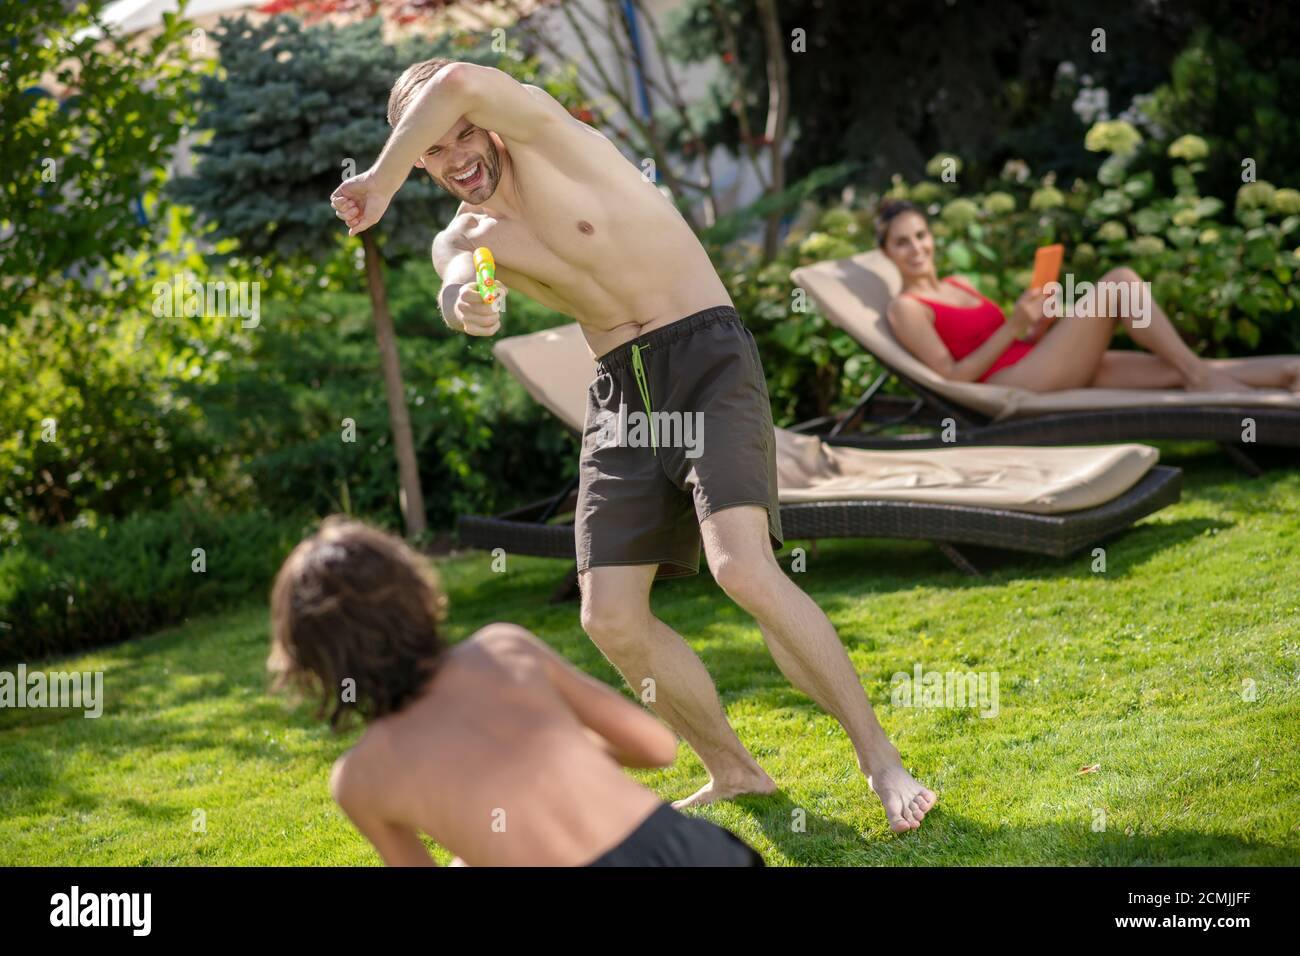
{"points": [[487, 97]]}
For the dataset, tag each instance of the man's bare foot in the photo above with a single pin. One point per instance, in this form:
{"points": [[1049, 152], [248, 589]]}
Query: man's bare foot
{"points": [[906, 802], [714, 790], [1210, 379]]}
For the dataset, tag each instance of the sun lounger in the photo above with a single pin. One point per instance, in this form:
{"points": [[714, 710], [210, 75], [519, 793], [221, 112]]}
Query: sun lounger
{"points": [[1053, 501]]}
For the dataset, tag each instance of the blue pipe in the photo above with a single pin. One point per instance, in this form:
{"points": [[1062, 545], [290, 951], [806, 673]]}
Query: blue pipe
{"points": [[634, 31]]}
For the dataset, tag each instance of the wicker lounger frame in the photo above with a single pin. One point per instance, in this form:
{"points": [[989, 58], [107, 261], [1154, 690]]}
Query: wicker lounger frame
{"points": [[1222, 424], [527, 531]]}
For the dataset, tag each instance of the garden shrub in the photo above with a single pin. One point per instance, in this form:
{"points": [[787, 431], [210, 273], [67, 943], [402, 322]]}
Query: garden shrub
{"points": [[85, 585]]}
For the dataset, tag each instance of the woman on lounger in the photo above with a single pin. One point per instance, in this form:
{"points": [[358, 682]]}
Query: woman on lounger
{"points": [[966, 338]]}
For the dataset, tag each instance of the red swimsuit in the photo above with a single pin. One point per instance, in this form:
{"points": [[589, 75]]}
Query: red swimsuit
{"points": [[964, 328]]}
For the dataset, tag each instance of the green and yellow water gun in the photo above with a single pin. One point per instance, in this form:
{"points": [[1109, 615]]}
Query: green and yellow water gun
{"points": [[485, 272]]}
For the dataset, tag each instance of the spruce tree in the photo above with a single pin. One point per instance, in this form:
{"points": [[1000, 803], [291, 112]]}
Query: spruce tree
{"points": [[294, 110]]}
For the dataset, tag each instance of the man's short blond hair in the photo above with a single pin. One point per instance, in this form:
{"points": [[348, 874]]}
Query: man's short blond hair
{"points": [[408, 86]]}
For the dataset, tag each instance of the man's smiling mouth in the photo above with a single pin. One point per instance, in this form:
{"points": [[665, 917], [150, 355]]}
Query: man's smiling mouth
{"points": [[469, 176]]}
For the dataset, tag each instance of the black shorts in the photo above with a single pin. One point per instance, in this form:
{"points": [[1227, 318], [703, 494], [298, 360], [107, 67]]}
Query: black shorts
{"points": [[669, 838], [679, 426]]}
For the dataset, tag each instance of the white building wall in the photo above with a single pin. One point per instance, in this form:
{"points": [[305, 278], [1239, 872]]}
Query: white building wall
{"points": [[734, 181]]}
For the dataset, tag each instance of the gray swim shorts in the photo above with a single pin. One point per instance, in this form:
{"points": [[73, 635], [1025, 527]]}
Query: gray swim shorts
{"points": [[679, 427]]}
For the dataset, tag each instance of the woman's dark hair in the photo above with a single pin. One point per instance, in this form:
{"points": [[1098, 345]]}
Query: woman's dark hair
{"points": [[887, 212], [353, 603]]}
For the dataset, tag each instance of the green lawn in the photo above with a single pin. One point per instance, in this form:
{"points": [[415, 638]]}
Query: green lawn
{"points": [[1139, 670]]}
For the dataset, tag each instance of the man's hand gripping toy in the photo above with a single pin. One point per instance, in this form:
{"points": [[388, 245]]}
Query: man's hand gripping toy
{"points": [[485, 272]]}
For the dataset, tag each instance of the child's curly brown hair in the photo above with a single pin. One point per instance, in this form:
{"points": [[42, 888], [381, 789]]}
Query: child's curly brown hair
{"points": [[354, 603]]}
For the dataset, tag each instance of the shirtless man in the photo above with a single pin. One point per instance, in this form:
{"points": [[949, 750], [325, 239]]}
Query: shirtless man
{"points": [[574, 225], [497, 748]]}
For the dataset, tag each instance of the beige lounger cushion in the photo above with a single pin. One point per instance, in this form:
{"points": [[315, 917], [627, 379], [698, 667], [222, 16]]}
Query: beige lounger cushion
{"points": [[556, 366], [1036, 480], [854, 293]]}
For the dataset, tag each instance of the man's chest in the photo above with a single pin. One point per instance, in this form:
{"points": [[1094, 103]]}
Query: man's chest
{"points": [[548, 252], [555, 263]]}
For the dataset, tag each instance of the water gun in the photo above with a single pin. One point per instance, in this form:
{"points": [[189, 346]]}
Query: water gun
{"points": [[485, 272]]}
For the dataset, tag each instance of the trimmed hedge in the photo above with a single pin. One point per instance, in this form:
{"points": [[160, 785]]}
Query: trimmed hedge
{"points": [[69, 589]]}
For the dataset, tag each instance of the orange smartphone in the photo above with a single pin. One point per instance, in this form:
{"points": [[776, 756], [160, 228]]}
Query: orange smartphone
{"points": [[1047, 265]]}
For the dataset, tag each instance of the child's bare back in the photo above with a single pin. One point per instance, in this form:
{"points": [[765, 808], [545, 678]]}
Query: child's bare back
{"points": [[496, 764], [497, 748]]}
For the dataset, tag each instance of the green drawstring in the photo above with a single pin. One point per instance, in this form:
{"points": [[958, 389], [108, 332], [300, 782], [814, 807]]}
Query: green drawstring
{"points": [[638, 372]]}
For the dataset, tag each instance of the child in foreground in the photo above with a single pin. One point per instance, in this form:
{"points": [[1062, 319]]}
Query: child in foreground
{"points": [[497, 748]]}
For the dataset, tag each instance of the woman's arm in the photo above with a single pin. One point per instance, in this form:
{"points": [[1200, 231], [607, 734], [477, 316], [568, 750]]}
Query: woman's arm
{"points": [[913, 325]]}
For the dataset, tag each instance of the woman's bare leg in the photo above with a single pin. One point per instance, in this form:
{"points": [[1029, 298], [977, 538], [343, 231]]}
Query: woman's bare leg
{"points": [[1128, 370], [1135, 370], [1155, 333], [1067, 356], [1144, 370], [1073, 353], [1263, 371]]}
